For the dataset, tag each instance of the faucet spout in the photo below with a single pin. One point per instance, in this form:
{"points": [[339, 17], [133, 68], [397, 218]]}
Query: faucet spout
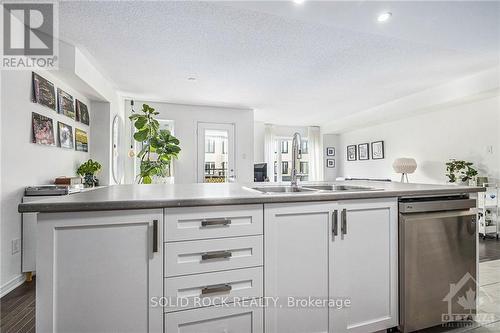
{"points": [[296, 156]]}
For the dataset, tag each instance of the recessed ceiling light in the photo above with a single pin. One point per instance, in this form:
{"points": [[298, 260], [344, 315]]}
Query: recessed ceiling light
{"points": [[384, 17], [299, 2]]}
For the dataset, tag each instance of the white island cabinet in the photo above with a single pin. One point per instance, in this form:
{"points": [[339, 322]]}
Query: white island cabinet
{"points": [[344, 251], [98, 270]]}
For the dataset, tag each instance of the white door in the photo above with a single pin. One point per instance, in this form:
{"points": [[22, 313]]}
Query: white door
{"points": [[363, 266], [98, 271], [215, 162], [296, 240]]}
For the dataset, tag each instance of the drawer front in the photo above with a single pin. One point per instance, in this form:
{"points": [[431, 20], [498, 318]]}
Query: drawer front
{"points": [[216, 320], [191, 223], [202, 290], [211, 255]]}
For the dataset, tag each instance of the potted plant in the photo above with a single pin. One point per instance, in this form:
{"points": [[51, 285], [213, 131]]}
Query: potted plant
{"points": [[460, 171], [88, 170], [159, 146]]}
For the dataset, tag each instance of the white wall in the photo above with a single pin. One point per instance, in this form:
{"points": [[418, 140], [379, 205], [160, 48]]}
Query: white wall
{"points": [[465, 131], [259, 130], [25, 163], [186, 118]]}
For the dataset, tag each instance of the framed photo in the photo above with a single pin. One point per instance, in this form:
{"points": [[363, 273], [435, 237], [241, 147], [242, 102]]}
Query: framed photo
{"points": [[330, 151], [43, 92], [81, 140], [351, 153], [65, 103], [65, 135], [330, 163], [378, 150], [82, 113], [43, 129], [363, 151]]}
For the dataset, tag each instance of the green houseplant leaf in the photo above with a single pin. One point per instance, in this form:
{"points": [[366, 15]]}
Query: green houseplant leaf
{"points": [[159, 146]]}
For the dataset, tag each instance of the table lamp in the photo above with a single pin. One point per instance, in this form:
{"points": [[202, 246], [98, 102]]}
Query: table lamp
{"points": [[404, 166]]}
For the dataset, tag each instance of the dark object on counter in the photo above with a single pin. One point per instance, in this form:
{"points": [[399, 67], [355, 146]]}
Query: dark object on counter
{"points": [[260, 172], [68, 181], [47, 190], [371, 179]]}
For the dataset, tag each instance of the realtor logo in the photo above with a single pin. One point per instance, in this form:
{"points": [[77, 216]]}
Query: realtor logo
{"points": [[29, 35]]}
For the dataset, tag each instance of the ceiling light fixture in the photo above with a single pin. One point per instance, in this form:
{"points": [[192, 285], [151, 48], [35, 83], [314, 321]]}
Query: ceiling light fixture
{"points": [[384, 17], [191, 78], [299, 2]]}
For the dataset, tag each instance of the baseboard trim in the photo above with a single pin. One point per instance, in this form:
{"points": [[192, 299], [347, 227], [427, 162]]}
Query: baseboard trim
{"points": [[12, 284]]}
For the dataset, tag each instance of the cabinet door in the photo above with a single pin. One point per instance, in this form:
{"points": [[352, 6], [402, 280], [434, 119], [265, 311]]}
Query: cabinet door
{"points": [[98, 270], [296, 240], [363, 266]]}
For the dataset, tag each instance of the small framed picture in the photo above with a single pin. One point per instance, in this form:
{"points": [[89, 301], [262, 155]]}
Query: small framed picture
{"points": [[377, 150], [65, 135], [330, 151], [330, 163], [351, 153], [363, 151]]}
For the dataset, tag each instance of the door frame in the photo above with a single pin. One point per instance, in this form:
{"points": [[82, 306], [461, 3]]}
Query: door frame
{"points": [[201, 127]]}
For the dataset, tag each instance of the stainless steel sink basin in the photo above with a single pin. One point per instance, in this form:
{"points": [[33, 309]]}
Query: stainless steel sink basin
{"points": [[283, 189], [334, 187]]}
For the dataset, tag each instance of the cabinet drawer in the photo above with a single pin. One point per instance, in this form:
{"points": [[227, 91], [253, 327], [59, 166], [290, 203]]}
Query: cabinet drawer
{"points": [[211, 255], [201, 290], [189, 223], [215, 320]]}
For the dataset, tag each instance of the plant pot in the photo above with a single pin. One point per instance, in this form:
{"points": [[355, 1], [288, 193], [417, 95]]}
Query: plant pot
{"points": [[89, 180]]}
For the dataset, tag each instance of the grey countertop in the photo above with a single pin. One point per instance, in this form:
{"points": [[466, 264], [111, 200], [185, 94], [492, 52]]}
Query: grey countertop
{"points": [[120, 197]]}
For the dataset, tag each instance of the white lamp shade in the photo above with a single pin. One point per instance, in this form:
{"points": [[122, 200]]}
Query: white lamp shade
{"points": [[404, 165]]}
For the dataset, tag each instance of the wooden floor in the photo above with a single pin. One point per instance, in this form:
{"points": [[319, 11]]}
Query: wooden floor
{"points": [[18, 307], [17, 310], [489, 249]]}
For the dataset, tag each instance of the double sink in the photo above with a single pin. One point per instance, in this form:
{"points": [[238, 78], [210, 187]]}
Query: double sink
{"points": [[287, 189]]}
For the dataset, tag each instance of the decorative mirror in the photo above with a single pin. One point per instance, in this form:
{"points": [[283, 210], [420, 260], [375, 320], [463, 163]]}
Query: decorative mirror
{"points": [[117, 160]]}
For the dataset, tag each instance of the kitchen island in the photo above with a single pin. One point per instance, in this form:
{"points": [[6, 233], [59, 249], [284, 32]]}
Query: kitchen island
{"points": [[222, 257]]}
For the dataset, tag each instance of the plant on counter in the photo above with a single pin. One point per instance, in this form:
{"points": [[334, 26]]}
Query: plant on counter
{"points": [[88, 170], [159, 146], [460, 171]]}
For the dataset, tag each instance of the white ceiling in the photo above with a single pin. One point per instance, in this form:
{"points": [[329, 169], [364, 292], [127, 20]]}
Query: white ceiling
{"points": [[295, 65]]}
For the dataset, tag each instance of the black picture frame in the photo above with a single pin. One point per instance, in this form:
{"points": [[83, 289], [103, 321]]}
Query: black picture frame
{"points": [[378, 150], [330, 151], [330, 163], [352, 153], [362, 154]]}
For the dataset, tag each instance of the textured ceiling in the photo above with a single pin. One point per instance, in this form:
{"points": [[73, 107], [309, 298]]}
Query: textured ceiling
{"points": [[295, 65]]}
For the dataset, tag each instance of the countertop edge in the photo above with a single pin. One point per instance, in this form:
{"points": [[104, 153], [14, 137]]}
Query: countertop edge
{"points": [[51, 207]]}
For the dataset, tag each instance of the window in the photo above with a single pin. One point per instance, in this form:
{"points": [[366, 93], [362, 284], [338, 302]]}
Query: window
{"points": [[209, 168], [209, 146], [284, 168], [284, 147], [304, 148], [224, 147], [304, 168]]}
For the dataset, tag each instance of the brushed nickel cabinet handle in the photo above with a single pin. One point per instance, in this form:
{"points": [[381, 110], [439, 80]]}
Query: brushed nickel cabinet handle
{"points": [[343, 222], [216, 255], [155, 236], [215, 222], [335, 222], [217, 288]]}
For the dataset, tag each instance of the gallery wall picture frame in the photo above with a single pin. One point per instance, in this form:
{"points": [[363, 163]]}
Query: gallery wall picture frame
{"points": [[43, 91], [378, 150], [330, 163], [65, 103], [363, 151], [82, 112], [43, 130], [65, 133], [330, 151], [81, 140], [352, 153]]}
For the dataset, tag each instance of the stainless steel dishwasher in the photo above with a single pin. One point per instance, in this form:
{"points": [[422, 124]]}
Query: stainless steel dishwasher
{"points": [[437, 248]]}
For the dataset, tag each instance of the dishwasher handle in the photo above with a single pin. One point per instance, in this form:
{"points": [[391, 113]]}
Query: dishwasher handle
{"points": [[436, 205]]}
